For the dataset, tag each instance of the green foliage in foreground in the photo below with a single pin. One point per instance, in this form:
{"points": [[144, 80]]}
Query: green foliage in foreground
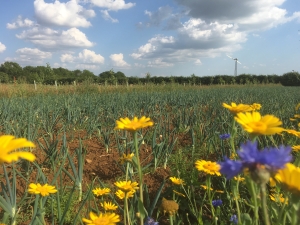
{"points": [[52, 121]]}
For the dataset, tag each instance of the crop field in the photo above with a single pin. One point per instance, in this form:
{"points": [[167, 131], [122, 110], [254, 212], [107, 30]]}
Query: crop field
{"points": [[184, 159]]}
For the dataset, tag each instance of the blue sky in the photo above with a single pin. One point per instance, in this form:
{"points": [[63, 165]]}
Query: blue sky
{"points": [[164, 38]]}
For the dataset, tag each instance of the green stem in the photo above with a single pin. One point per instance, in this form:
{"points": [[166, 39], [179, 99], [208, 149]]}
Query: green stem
{"points": [[253, 193], [126, 211], [235, 191], [139, 173], [171, 219], [264, 203], [42, 211]]}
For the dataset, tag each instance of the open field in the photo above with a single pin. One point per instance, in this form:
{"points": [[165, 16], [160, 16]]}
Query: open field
{"points": [[78, 149]]}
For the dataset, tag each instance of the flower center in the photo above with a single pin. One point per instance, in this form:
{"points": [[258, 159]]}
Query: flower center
{"points": [[42, 190], [101, 221], [209, 166], [258, 126]]}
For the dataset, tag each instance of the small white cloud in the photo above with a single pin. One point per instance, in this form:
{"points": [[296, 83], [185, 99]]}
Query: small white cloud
{"points": [[118, 61], [84, 57], [113, 5], [88, 56], [2, 47], [198, 62], [159, 63], [52, 39], [19, 23], [106, 16], [33, 53], [69, 14]]}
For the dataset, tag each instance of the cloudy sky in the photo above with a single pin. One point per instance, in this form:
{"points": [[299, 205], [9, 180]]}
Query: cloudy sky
{"points": [[162, 37]]}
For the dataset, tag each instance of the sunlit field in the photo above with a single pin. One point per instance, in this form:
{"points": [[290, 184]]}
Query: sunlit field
{"points": [[149, 154]]}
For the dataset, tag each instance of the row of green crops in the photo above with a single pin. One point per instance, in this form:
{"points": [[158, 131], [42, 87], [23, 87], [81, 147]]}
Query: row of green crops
{"points": [[51, 121]]}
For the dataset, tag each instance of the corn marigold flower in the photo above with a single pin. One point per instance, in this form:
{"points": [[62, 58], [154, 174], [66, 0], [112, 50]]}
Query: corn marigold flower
{"points": [[169, 206], [43, 190], [9, 143], [208, 167], [108, 206], [126, 158], [240, 179], [269, 159], [133, 125], [176, 181], [101, 191], [234, 108], [205, 187], [294, 132], [127, 186], [278, 198], [121, 194], [256, 106], [296, 148], [102, 219], [256, 124], [289, 177]]}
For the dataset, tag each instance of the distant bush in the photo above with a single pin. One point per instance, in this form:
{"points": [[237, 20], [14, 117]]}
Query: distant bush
{"points": [[290, 79]]}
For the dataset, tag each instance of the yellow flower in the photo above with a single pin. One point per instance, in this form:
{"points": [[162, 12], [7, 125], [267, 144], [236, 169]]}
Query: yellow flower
{"points": [[101, 191], [176, 180], [208, 167], [102, 219], [133, 125], [240, 179], [169, 206], [9, 143], [178, 193], [296, 148], [234, 108], [219, 191], [126, 158], [43, 190], [256, 106], [289, 177], [297, 107], [109, 206], [205, 187], [278, 198], [294, 132], [272, 182], [256, 124], [127, 186], [121, 194]]}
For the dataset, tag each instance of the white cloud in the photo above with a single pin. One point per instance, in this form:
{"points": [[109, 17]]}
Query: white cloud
{"points": [[155, 18], [159, 63], [33, 53], [19, 23], [84, 57], [2, 47], [47, 38], [69, 14], [106, 16], [113, 5], [118, 61], [198, 62]]}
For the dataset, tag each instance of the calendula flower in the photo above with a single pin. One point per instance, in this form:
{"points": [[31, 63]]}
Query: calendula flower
{"points": [[127, 186], [289, 177], [176, 180], [256, 124], [126, 158], [208, 167], [268, 159], [43, 190], [169, 206], [101, 191], [109, 206], [133, 125], [296, 148], [121, 194], [8, 145], [294, 132], [278, 198], [234, 108], [102, 219]]}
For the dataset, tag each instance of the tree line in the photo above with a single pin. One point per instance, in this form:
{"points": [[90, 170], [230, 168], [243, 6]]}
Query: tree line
{"points": [[12, 72]]}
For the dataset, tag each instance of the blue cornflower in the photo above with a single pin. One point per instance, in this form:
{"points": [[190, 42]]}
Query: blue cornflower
{"points": [[217, 202], [224, 136], [272, 159], [150, 221], [234, 219]]}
